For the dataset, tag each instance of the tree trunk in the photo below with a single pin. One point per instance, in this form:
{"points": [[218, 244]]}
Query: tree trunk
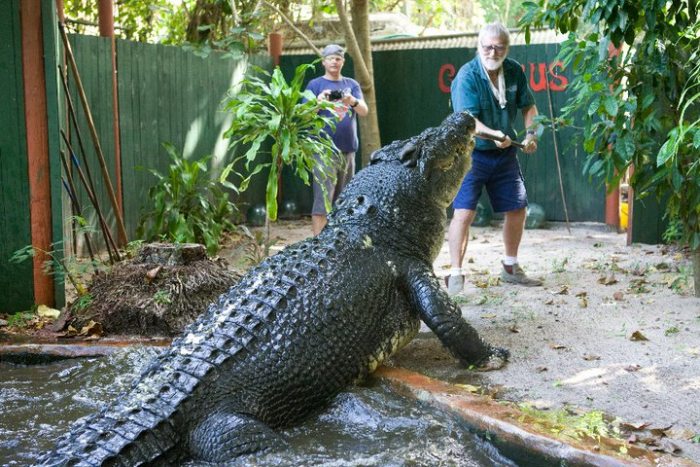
{"points": [[358, 46], [369, 125], [695, 254]]}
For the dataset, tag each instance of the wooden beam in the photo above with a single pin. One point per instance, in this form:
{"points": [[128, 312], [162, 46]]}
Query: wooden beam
{"points": [[105, 9], [37, 144]]}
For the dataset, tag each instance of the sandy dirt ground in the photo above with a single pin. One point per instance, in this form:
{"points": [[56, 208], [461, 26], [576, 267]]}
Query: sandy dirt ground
{"points": [[614, 328]]}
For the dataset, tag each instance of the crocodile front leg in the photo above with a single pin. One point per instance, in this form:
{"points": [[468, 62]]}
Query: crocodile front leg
{"points": [[444, 318]]}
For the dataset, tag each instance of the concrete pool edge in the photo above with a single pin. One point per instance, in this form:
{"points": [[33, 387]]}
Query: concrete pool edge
{"points": [[507, 424], [509, 428], [51, 350]]}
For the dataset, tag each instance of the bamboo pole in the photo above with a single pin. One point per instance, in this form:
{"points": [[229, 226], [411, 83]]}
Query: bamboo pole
{"points": [[73, 195], [109, 240], [74, 119], [93, 132], [556, 154]]}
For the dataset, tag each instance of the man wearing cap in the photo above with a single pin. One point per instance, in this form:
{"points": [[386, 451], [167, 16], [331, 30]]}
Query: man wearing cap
{"points": [[346, 95]]}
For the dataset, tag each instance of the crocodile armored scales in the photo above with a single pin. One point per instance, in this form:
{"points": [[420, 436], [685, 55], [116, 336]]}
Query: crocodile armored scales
{"points": [[303, 325]]}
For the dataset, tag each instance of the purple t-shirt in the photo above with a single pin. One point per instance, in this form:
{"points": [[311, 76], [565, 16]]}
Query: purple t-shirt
{"points": [[345, 135]]}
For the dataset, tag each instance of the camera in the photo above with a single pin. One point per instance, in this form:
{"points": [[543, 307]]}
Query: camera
{"points": [[335, 95]]}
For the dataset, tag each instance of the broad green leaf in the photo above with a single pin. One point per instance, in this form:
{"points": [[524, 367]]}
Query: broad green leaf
{"points": [[666, 152], [611, 106], [593, 107]]}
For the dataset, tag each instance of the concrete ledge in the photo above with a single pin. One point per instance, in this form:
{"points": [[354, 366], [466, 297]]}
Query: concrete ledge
{"points": [[514, 432], [37, 353]]}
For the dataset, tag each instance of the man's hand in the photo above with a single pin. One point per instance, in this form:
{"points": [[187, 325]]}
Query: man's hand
{"points": [[348, 100], [506, 140], [530, 143]]}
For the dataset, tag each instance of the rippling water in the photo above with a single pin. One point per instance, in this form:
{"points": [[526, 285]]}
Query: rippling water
{"points": [[367, 425]]}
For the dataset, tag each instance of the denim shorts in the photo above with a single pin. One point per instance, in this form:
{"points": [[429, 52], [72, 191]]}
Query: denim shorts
{"points": [[499, 171]]}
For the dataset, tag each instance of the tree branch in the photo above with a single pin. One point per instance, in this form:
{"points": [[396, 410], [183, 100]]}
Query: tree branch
{"points": [[351, 44], [294, 28]]}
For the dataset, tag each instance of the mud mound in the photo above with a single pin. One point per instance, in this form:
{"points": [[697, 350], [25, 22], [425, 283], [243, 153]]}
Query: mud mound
{"points": [[157, 293]]}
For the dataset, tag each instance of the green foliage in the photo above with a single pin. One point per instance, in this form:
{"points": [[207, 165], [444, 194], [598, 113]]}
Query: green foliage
{"points": [[234, 26], [162, 297], [283, 114], [189, 205], [566, 422], [259, 248], [642, 107], [83, 302], [132, 248], [20, 319], [56, 265]]}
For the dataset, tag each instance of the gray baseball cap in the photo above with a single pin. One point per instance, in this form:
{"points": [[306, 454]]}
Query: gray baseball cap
{"points": [[332, 49]]}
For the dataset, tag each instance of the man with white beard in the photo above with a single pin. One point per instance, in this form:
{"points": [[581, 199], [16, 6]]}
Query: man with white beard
{"points": [[493, 87]]}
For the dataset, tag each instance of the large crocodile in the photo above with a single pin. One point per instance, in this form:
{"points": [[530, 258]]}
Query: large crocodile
{"points": [[302, 325]]}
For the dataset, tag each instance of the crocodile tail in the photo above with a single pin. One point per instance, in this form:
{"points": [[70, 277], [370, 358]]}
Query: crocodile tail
{"points": [[132, 432]]}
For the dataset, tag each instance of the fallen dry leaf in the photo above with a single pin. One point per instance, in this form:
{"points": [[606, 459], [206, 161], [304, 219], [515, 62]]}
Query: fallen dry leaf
{"points": [[583, 303], [582, 294], [47, 312], [660, 432], [549, 301], [92, 329], [638, 336], [563, 290], [633, 368], [635, 426], [667, 446], [591, 357], [153, 273], [608, 280], [618, 296], [541, 369], [557, 347], [682, 434], [514, 330], [468, 387], [490, 316]]}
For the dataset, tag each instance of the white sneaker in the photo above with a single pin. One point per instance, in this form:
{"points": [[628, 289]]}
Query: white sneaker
{"points": [[519, 277], [455, 285]]}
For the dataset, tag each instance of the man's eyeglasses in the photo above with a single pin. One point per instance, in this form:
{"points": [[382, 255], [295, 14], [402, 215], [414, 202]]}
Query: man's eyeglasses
{"points": [[493, 48]]}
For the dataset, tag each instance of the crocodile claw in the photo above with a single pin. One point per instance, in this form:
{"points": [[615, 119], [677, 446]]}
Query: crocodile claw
{"points": [[495, 361]]}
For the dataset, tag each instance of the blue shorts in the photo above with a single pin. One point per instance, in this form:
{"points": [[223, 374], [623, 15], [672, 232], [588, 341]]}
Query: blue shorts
{"points": [[499, 171]]}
